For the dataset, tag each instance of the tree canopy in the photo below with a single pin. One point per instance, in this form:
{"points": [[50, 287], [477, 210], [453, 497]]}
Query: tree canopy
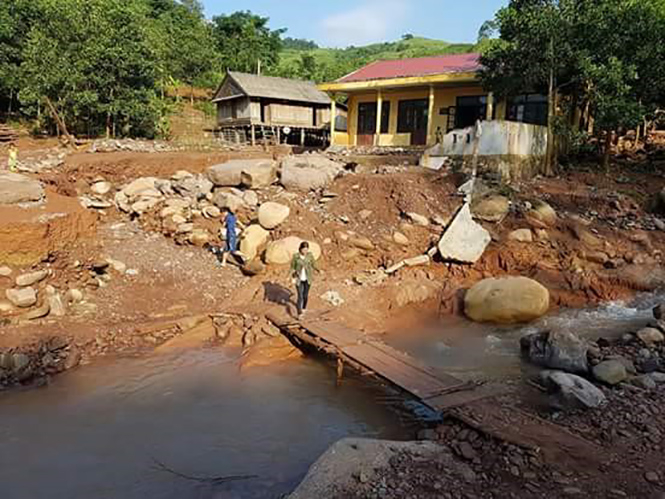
{"points": [[244, 41], [606, 56], [104, 65]]}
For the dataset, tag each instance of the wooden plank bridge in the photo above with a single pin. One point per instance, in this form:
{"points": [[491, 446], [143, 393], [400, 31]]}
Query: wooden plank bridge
{"points": [[465, 401], [436, 390]]}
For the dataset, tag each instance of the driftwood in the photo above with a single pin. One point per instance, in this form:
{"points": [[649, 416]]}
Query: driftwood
{"points": [[158, 465]]}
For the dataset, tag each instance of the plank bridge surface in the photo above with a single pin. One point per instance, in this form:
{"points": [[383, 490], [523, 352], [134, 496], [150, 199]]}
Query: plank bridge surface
{"points": [[442, 392], [398, 368]]}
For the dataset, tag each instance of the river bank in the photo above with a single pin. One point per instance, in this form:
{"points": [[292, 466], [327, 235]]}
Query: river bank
{"points": [[118, 267], [125, 287]]}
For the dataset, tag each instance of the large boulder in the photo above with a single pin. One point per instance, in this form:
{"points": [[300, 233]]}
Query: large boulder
{"points": [[542, 214], [227, 200], [23, 297], [650, 336], [465, 241], [252, 239], [562, 350], [140, 187], [251, 172], [611, 372], [31, 278], [281, 252], [309, 172], [192, 186], [492, 208], [16, 188], [259, 177], [572, 391], [506, 300], [272, 215], [521, 235]]}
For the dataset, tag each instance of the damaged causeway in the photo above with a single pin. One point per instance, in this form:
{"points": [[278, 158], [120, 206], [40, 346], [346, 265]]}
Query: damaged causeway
{"points": [[468, 402]]}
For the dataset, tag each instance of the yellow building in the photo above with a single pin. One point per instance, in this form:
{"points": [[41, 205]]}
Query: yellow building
{"points": [[417, 101]]}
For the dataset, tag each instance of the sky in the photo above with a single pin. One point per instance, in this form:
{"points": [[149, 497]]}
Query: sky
{"points": [[359, 22]]}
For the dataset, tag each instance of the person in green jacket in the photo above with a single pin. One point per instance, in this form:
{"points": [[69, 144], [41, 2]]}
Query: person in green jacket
{"points": [[303, 267]]}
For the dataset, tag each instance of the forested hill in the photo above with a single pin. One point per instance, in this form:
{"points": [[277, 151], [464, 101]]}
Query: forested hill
{"points": [[304, 59], [105, 67]]}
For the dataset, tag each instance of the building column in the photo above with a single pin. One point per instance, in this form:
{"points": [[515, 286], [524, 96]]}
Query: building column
{"points": [[379, 112], [430, 117], [490, 107], [333, 118]]}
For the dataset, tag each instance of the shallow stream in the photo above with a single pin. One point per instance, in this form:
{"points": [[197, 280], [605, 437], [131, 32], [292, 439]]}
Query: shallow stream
{"points": [[101, 431]]}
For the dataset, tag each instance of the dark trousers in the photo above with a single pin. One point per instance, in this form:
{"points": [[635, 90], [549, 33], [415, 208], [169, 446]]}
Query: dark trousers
{"points": [[303, 295]]}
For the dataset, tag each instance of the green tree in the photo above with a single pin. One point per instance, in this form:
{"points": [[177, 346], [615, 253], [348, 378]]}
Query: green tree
{"points": [[583, 50], [184, 41], [289, 43], [16, 17], [245, 42], [92, 59], [307, 67]]}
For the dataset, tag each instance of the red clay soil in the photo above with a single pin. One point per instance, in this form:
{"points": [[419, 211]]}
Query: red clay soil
{"points": [[30, 235], [557, 261]]}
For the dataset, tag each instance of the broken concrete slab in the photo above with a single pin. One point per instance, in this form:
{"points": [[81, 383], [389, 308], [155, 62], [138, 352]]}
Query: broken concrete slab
{"points": [[465, 240]]}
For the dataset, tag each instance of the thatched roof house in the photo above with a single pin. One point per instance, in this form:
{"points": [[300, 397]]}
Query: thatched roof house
{"points": [[246, 99]]}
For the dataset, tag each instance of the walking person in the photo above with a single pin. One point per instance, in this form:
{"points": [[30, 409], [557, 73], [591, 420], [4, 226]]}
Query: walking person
{"points": [[12, 162], [302, 270], [230, 223]]}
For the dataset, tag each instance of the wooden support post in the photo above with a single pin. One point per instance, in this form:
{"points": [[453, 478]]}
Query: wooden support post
{"points": [[490, 107], [302, 137], [340, 369], [430, 117], [333, 119], [379, 111], [279, 135], [253, 136]]}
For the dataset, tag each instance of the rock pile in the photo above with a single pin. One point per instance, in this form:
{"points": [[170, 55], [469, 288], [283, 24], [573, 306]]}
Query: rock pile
{"points": [[635, 359], [32, 295], [190, 207], [50, 357], [131, 145]]}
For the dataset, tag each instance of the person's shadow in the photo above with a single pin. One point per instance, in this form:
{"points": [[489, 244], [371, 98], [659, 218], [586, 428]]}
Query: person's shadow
{"points": [[276, 293]]}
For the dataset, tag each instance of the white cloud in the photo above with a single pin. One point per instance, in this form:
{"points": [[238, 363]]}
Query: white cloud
{"points": [[373, 21]]}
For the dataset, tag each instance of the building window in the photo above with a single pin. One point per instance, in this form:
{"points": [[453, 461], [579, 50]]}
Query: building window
{"points": [[469, 110], [367, 118], [527, 108], [385, 116], [412, 116]]}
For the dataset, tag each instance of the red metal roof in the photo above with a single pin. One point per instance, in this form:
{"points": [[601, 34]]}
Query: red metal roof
{"points": [[421, 66]]}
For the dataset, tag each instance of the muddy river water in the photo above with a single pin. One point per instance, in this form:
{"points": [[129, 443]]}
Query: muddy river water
{"points": [[100, 431]]}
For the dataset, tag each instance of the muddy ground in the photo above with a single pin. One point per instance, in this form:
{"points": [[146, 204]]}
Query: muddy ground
{"points": [[158, 294]]}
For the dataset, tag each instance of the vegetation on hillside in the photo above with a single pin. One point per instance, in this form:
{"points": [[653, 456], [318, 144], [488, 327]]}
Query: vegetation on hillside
{"points": [[103, 67], [326, 64]]}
